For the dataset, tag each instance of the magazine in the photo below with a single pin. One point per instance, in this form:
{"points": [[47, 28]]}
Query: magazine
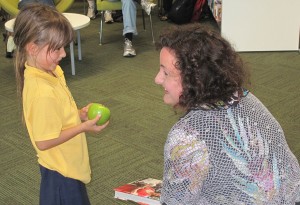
{"points": [[144, 191]]}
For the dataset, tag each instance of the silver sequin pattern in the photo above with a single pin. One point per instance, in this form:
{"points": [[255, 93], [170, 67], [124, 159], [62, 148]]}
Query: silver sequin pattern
{"points": [[234, 156]]}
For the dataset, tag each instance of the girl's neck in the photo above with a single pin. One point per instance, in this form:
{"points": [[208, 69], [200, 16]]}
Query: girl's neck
{"points": [[50, 72]]}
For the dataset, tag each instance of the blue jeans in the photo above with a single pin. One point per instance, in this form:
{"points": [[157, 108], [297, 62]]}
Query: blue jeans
{"points": [[129, 16], [24, 2]]}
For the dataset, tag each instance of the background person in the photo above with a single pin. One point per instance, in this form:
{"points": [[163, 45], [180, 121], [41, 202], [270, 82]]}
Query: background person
{"points": [[10, 45], [92, 11], [227, 148], [129, 20], [129, 23], [56, 127], [22, 3]]}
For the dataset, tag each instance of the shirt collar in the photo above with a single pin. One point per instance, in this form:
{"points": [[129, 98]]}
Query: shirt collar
{"points": [[35, 72], [221, 105]]}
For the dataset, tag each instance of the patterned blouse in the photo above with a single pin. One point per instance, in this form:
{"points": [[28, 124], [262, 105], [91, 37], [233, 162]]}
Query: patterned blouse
{"points": [[233, 153]]}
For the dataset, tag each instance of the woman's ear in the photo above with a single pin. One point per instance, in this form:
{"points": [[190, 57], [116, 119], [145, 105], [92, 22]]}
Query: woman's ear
{"points": [[31, 48]]}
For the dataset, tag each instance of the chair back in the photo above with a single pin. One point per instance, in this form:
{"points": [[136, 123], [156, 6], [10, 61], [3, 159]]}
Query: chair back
{"points": [[103, 5], [63, 5], [11, 6]]}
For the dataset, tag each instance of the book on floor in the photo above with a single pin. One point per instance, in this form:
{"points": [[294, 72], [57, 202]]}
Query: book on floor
{"points": [[144, 191]]}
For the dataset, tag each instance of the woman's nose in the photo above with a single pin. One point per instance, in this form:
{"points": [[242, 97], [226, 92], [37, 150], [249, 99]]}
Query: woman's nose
{"points": [[158, 78]]}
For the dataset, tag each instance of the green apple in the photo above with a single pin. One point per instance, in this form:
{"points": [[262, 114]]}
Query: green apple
{"points": [[99, 109]]}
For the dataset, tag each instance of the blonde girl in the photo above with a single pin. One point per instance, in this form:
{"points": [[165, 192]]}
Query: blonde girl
{"points": [[55, 126]]}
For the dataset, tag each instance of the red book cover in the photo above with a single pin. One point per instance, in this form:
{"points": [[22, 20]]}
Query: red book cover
{"points": [[144, 191]]}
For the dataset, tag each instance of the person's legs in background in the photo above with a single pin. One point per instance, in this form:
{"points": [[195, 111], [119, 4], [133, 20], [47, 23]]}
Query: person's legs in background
{"points": [[10, 45], [92, 12], [108, 17], [167, 5], [24, 2], [91, 9], [129, 23], [47, 2], [147, 5]]}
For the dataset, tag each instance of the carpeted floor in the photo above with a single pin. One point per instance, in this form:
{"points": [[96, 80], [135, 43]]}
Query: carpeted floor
{"points": [[132, 146]]}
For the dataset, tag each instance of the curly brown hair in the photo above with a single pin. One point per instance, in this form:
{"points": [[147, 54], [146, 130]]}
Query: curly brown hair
{"points": [[211, 70]]}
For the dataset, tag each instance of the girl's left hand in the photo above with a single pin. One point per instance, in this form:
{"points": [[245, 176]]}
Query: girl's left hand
{"points": [[83, 112]]}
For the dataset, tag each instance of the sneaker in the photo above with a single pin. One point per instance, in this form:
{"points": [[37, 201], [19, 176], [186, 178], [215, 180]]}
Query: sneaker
{"points": [[108, 17], [9, 55], [147, 6], [91, 13], [128, 49], [10, 47]]}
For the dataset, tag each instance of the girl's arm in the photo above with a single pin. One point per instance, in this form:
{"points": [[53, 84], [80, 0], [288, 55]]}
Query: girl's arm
{"points": [[65, 135]]}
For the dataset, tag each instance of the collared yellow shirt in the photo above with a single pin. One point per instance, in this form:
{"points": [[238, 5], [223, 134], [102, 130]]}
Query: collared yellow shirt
{"points": [[49, 108]]}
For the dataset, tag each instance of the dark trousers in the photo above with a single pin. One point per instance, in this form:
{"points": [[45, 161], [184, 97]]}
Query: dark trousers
{"points": [[59, 190], [167, 5], [24, 2]]}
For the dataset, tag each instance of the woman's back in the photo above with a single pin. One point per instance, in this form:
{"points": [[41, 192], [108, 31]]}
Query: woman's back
{"points": [[232, 156]]}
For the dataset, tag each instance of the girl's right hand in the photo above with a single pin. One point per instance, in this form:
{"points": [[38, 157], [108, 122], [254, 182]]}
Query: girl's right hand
{"points": [[91, 126]]}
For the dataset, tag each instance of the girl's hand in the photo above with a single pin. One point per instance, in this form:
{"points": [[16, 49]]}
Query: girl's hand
{"points": [[83, 112], [91, 126], [67, 134]]}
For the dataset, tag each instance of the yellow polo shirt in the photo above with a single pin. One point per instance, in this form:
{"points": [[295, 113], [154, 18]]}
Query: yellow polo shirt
{"points": [[49, 108]]}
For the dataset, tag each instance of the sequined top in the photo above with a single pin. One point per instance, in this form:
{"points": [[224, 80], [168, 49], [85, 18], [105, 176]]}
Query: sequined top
{"points": [[233, 154]]}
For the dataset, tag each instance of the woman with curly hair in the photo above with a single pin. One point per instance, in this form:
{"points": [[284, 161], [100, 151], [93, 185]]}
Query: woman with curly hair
{"points": [[227, 148]]}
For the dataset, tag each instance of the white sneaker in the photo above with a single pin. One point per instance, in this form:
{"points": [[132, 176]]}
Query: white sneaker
{"points": [[91, 13], [10, 46], [128, 49], [147, 6], [107, 17]]}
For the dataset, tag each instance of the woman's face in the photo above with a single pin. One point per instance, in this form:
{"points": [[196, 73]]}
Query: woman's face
{"points": [[169, 77]]}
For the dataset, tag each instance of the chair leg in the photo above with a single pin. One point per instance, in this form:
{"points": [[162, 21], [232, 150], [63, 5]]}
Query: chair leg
{"points": [[143, 15], [84, 13], [101, 28], [151, 25]]}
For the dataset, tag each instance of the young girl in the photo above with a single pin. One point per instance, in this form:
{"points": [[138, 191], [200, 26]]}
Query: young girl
{"points": [[227, 148], [51, 115]]}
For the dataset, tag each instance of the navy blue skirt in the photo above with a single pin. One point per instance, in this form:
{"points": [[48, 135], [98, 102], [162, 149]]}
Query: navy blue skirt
{"points": [[59, 190]]}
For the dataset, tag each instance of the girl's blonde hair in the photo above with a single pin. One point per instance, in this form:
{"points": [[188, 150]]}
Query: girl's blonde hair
{"points": [[41, 25]]}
